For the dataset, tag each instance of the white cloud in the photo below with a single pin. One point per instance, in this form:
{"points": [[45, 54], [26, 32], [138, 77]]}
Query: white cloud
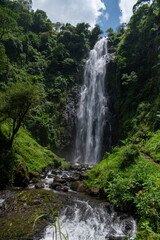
{"points": [[106, 16], [126, 9], [71, 11]]}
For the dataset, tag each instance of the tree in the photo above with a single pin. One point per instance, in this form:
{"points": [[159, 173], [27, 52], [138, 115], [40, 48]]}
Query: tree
{"points": [[7, 22], [121, 28], [139, 4], [128, 80], [3, 59], [15, 104], [41, 23], [110, 31], [57, 26], [95, 34]]}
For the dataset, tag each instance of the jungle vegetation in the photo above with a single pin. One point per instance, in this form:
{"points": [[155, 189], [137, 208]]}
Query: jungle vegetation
{"points": [[41, 63]]}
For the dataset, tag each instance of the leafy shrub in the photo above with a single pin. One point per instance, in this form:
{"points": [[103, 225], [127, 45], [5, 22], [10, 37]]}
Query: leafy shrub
{"points": [[128, 155]]}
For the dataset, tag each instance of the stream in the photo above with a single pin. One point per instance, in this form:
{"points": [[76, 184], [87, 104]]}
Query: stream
{"points": [[85, 217]]}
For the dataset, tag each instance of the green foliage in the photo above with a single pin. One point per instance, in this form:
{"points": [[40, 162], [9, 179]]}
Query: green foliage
{"points": [[110, 31], [8, 23], [128, 155], [128, 80], [48, 53], [135, 71], [152, 147], [95, 34], [132, 183], [25, 149], [3, 60], [15, 104], [57, 233]]}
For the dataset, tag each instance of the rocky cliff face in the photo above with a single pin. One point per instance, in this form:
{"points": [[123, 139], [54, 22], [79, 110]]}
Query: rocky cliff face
{"points": [[70, 116]]}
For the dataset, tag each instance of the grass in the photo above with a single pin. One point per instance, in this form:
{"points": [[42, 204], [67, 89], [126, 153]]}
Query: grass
{"points": [[152, 147], [132, 183], [25, 152], [34, 155]]}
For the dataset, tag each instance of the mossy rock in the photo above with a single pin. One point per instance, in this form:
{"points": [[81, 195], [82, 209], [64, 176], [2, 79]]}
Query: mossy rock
{"points": [[21, 175], [22, 210]]}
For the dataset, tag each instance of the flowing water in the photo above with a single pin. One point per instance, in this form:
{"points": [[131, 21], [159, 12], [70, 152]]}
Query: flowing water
{"points": [[93, 112], [91, 220], [84, 217]]}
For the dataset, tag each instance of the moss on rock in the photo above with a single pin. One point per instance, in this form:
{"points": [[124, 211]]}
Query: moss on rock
{"points": [[22, 210]]}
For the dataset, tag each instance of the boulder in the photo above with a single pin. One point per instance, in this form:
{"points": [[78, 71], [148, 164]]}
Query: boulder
{"points": [[78, 186], [21, 211], [62, 188], [75, 177], [50, 175], [34, 180], [83, 176], [39, 185], [65, 189], [33, 175], [94, 191], [21, 175], [54, 185], [60, 180]]}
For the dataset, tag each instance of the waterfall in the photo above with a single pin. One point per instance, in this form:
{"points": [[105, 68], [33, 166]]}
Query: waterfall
{"points": [[93, 111]]}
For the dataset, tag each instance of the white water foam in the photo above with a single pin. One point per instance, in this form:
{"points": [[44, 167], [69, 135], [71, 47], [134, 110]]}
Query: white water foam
{"points": [[86, 220]]}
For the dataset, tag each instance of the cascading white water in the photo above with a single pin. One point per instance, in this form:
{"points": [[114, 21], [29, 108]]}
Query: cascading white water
{"points": [[85, 217], [91, 220], [92, 111]]}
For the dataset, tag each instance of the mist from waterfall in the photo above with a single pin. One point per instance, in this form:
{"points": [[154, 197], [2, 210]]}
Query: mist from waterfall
{"points": [[92, 112]]}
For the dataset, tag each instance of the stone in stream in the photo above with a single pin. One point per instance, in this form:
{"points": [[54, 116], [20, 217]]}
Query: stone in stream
{"points": [[65, 176], [128, 226], [76, 166], [54, 185], [83, 175], [60, 180], [62, 188], [34, 180], [94, 191], [115, 238], [111, 235], [74, 177], [78, 186], [42, 176], [39, 185], [54, 171], [50, 175]]}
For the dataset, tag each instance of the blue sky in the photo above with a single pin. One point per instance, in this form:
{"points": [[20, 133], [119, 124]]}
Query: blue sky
{"points": [[110, 16], [106, 13]]}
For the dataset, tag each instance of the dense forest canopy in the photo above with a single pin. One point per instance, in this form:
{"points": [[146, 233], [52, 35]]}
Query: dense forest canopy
{"points": [[135, 71], [51, 57], [33, 49], [41, 67]]}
